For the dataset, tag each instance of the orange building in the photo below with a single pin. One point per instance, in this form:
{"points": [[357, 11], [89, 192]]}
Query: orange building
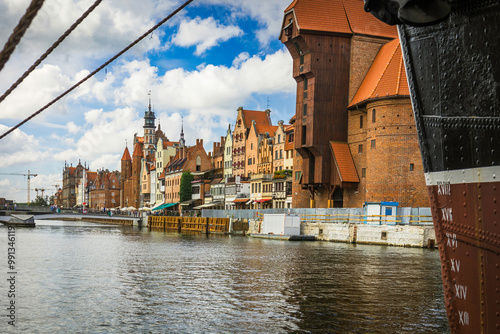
{"points": [[279, 148], [244, 121]]}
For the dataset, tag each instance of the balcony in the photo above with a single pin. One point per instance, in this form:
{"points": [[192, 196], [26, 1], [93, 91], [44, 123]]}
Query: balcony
{"points": [[261, 176]]}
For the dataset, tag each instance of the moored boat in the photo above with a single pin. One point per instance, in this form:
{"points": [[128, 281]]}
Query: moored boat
{"points": [[451, 51], [20, 221]]}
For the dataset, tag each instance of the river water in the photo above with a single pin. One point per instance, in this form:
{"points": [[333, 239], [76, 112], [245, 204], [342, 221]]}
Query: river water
{"points": [[78, 277]]}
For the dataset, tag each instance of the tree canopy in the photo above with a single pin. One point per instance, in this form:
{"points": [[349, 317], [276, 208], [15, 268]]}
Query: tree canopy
{"points": [[186, 190]]}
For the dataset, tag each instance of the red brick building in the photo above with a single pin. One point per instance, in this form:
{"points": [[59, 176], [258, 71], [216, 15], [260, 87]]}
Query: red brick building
{"points": [[333, 45], [192, 159], [131, 175], [383, 138], [107, 190]]}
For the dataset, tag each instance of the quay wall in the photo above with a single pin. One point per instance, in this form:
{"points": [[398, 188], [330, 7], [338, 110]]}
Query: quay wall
{"points": [[388, 235]]}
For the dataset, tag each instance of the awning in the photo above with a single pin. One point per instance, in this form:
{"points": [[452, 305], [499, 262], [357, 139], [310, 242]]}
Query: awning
{"points": [[240, 200], [163, 206], [188, 202], [263, 200], [208, 205]]}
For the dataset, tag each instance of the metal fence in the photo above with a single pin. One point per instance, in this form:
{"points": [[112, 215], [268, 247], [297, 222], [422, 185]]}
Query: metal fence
{"points": [[404, 216]]}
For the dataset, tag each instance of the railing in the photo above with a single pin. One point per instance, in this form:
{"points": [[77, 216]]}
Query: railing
{"points": [[406, 216]]}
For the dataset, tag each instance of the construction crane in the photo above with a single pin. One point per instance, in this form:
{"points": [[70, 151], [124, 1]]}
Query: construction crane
{"points": [[29, 175], [39, 189]]}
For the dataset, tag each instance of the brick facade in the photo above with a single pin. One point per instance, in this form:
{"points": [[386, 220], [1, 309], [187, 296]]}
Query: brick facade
{"points": [[390, 155]]}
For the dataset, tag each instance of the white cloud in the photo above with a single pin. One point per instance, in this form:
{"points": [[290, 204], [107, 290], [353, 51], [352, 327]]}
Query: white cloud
{"points": [[4, 183], [73, 128], [269, 13], [19, 148], [204, 33]]}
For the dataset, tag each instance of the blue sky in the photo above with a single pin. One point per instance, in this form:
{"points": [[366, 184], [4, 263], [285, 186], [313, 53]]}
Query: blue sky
{"points": [[213, 57]]}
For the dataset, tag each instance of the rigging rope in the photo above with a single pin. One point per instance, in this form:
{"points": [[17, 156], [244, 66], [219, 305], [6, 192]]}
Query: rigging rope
{"points": [[19, 31], [147, 33], [49, 50]]}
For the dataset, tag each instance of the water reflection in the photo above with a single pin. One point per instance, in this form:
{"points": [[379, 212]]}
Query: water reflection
{"points": [[83, 277]]}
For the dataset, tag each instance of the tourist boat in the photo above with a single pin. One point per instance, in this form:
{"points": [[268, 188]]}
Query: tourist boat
{"points": [[452, 58], [20, 221]]}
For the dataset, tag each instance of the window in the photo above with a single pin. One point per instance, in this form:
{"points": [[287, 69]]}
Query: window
{"points": [[363, 172], [297, 176], [251, 146], [412, 167], [374, 115], [249, 161], [306, 83], [361, 121], [360, 148], [198, 163], [276, 154], [253, 160], [303, 134], [279, 139], [304, 109], [373, 143], [281, 154]]}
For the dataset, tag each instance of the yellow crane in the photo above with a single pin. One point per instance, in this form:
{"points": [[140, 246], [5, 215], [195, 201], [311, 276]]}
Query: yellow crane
{"points": [[29, 175]]}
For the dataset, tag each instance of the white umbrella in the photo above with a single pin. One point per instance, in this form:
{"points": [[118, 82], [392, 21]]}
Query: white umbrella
{"points": [[145, 209]]}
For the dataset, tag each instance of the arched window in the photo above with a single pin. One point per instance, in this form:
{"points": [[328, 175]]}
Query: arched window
{"points": [[198, 163]]}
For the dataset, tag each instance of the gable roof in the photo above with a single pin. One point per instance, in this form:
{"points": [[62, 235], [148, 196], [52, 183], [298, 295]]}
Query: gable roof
{"points": [[385, 78], [260, 117], [271, 129], [343, 162], [338, 16]]}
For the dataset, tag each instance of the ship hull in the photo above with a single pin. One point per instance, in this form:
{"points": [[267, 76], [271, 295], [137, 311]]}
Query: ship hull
{"points": [[453, 70], [465, 212]]}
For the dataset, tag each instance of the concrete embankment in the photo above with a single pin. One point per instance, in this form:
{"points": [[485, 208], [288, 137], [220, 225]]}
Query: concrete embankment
{"points": [[388, 235], [93, 219]]}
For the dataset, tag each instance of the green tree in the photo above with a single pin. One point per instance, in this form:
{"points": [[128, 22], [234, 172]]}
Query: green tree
{"points": [[186, 190], [40, 201]]}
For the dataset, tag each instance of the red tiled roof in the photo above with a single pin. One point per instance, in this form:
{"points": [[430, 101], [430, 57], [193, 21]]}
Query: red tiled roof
{"points": [[166, 144], [385, 78], [126, 155], [260, 117], [338, 16], [140, 140], [137, 149], [271, 129], [343, 162]]}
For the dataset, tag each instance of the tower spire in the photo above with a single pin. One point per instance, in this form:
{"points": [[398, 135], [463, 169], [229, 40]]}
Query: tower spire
{"points": [[182, 141]]}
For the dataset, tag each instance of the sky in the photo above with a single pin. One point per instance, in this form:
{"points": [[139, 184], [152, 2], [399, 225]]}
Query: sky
{"points": [[208, 60]]}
